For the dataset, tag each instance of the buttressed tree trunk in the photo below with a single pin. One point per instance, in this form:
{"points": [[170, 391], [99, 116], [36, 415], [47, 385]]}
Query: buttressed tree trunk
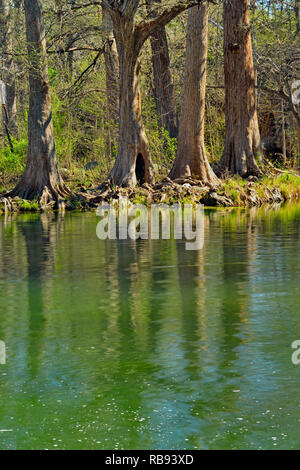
{"points": [[133, 162], [163, 85], [191, 158], [242, 141], [8, 69], [41, 178]]}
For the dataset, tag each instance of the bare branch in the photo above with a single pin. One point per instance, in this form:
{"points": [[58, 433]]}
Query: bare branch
{"points": [[146, 28]]}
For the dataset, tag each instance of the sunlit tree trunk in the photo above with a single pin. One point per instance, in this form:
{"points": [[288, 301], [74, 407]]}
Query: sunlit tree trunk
{"points": [[242, 141], [41, 178], [191, 158], [133, 163]]}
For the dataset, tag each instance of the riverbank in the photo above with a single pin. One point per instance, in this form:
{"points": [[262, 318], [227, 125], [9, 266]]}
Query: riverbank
{"points": [[232, 192]]}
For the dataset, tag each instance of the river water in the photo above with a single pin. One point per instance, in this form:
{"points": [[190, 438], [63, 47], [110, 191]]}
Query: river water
{"points": [[144, 345]]}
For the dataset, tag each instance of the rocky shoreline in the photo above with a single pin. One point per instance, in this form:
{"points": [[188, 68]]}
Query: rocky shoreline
{"points": [[184, 190], [252, 193]]}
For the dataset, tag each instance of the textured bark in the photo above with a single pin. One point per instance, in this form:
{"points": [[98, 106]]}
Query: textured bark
{"points": [[242, 141], [9, 116], [112, 77], [41, 178], [163, 85], [133, 163], [191, 158]]}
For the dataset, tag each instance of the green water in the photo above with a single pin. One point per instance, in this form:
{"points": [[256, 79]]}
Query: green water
{"points": [[143, 345]]}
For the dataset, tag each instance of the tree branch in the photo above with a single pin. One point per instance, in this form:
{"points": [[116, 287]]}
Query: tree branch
{"points": [[74, 49], [129, 8], [217, 25], [79, 79], [146, 28]]}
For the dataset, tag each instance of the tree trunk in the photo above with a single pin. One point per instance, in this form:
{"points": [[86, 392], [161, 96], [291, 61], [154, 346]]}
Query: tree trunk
{"points": [[191, 158], [112, 78], [8, 70], [242, 141], [133, 163], [163, 86], [41, 178]]}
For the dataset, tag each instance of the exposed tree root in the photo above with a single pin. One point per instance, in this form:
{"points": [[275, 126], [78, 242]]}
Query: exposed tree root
{"points": [[46, 196], [183, 190], [225, 168], [8, 206], [228, 193]]}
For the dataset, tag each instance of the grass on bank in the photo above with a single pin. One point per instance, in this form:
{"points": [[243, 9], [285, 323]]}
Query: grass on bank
{"points": [[288, 184]]}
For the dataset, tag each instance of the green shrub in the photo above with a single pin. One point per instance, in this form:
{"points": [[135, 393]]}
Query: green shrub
{"points": [[13, 163]]}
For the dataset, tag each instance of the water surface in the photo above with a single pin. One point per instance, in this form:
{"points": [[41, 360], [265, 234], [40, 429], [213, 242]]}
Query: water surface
{"points": [[143, 345]]}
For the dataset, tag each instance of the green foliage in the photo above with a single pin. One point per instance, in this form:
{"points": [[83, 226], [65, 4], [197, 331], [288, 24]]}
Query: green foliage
{"points": [[288, 185], [13, 163], [79, 117], [233, 188], [52, 75], [214, 133], [29, 206], [162, 147], [140, 199]]}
